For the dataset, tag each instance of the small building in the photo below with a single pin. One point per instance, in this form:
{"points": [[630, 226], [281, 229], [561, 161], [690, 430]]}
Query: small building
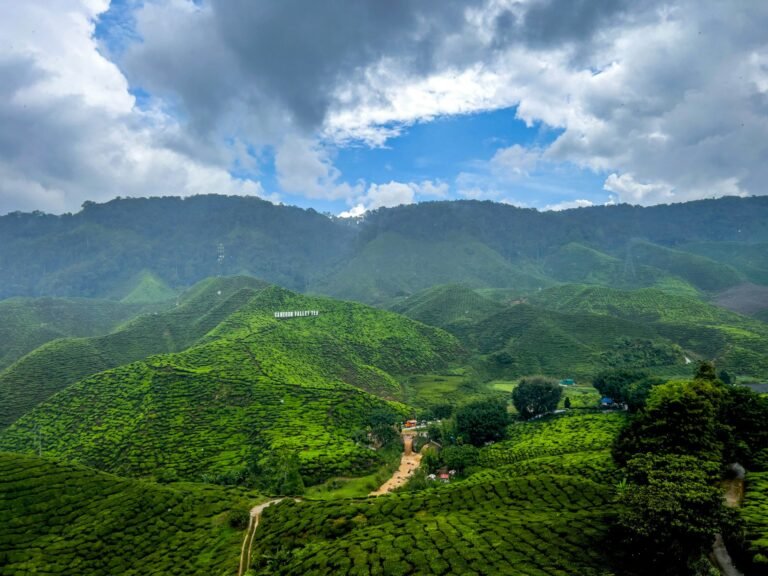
{"points": [[567, 382], [411, 423], [607, 402], [445, 477]]}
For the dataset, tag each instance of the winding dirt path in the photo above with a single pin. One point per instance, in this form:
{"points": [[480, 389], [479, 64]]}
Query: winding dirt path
{"points": [[253, 522], [409, 462]]}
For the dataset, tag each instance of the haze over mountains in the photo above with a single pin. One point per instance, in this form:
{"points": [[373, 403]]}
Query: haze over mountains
{"points": [[126, 247]]}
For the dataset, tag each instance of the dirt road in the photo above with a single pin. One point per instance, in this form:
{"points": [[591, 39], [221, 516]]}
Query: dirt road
{"points": [[253, 522], [409, 462]]}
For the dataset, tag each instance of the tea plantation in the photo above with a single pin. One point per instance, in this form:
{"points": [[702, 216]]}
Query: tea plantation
{"points": [[55, 365], [540, 506], [63, 519], [525, 525], [255, 386], [755, 514]]}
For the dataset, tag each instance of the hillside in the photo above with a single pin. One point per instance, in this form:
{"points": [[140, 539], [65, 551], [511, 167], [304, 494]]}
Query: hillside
{"points": [[735, 342], [27, 323], [52, 367], [102, 250], [446, 305], [538, 516], [65, 519], [394, 265], [254, 387]]}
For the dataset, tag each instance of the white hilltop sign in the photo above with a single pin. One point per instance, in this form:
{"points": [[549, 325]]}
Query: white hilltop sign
{"points": [[297, 314]]}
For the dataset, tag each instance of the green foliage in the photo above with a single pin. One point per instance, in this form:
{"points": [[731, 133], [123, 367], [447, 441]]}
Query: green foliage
{"points": [[536, 395], [54, 366], [744, 419], [393, 265], [447, 306], [630, 387], [27, 323], [534, 525], [670, 513], [148, 288], [681, 417], [252, 385], [65, 519], [482, 421], [754, 512], [736, 343], [553, 436]]}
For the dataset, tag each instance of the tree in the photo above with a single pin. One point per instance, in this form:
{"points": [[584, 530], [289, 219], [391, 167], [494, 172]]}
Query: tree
{"points": [[567, 403], [482, 421], [680, 418], [536, 395], [459, 458], [670, 512], [706, 371], [615, 384]]}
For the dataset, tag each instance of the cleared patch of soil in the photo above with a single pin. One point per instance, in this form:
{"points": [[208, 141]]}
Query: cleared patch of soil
{"points": [[744, 298]]}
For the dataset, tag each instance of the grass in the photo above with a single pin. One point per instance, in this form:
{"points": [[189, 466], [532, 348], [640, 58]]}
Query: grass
{"points": [[525, 525], [64, 519], [341, 487]]}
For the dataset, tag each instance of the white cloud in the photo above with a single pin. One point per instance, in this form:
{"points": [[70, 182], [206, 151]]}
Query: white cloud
{"points": [[395, 194], [304, 168], [515, 161], [568, 205], [633, 192], [668, 99], [69, 130]]}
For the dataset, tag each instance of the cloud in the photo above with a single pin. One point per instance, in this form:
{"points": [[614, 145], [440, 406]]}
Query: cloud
{"points": [[667, 100], [568, 205], [69, 130], [303, 168], [395, 194], [515, 161]]}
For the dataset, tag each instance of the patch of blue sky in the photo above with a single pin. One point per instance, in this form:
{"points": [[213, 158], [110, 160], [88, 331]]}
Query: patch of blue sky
{"points": [[446, 147], [116, 28], [441, 148]]}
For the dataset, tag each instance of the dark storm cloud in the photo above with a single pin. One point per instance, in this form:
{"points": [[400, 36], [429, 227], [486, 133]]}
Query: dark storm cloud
{"points": [[293, 52]]}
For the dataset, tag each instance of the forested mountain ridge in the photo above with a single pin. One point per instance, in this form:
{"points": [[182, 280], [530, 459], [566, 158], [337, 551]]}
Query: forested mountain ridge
{"points": [[101, 250]]}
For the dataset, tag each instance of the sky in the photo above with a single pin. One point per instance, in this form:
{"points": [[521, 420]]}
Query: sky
{"points": [[346, 106]]}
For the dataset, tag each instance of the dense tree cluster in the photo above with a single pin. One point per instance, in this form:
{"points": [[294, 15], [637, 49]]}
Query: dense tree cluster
{"points": [[536, 395], [482, 421], [673, 453]]}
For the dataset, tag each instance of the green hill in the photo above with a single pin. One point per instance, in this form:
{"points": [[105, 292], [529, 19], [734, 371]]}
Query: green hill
{"points": [[65, 519], [103, 249], [50, 368], [253, 386], [531, 517], [446, 305], [27, 323], [392, 265], [702, 272], [749, 258], [528, 340], [735, 342], [147, 287]]}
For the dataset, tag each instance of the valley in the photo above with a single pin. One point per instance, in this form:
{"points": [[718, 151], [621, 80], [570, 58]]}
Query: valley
{"points": [[207, 428]]}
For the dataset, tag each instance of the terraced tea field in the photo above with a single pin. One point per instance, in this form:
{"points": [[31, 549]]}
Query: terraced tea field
{"points": [[256, 385], [754, 511], [527, 525], [63, 519]]}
